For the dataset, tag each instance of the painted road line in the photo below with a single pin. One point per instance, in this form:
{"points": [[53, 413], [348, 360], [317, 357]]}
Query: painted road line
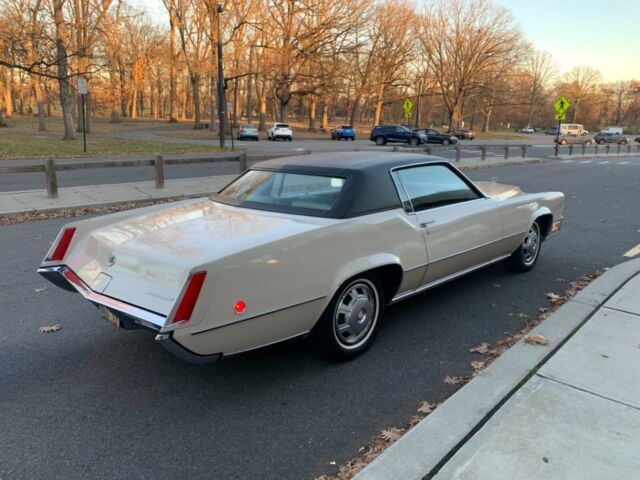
{"points": [[568, 161], [623, 163], [633, 252], [586, 161], [604, 162]]}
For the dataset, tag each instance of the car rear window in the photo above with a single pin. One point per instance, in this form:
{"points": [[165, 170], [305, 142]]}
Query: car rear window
{"points": [[347, 127], [282, 125], [284, 191]]}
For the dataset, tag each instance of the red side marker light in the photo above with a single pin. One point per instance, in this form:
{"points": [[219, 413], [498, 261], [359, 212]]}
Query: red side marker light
{"points": [[240, 307], [190, 297], [63, 245]]}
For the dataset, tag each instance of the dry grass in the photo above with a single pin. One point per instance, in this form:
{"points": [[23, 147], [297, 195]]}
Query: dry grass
{"points": [[22, 139]]}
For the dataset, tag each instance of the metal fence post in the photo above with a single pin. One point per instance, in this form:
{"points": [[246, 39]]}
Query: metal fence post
{"points": [[628, 148], [457, 153], [595, 150], [637, 148], [506, 152], [483, 155], [242, 161], [158, 167], [584, 148], [571, 149], [429, 150], [524, 151], [608, 148], [619, 147], [52, 179]]}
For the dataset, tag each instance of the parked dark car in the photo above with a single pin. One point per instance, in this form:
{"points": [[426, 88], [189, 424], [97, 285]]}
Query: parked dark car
{"points": [[575, 139], [429, 135], [603, 138], [464, 134], [343, 131], [383, 134], [551, 131], [637, 139], [248, 131]]}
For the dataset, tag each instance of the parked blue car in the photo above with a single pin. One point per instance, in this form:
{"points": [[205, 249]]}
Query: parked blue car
{"points": [[343, 131]]}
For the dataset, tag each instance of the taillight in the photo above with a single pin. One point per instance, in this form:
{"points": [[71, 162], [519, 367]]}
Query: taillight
{"points": [[190, 297], [63, 245]]}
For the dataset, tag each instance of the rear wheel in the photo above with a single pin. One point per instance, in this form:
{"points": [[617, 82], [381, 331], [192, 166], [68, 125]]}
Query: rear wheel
{"points": [[380, 140], [413, 141], [350, 322], [446, 142], [526, 256]]}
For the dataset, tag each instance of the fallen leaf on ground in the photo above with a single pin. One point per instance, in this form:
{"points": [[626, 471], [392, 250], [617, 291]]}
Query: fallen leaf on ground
{"points": [[392, 434], [553, 297], [49, 328], [478, 365], [453, 380], [536, 339], [483, 348], [38, 290], [426, 407]]}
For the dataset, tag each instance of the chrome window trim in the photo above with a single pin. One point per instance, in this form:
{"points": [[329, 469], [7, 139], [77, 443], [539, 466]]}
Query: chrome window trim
{"points": [[446, 164]]}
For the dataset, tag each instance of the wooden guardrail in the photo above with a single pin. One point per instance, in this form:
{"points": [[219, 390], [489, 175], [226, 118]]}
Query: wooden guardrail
{"points": [[158, 162], [507, 149]]}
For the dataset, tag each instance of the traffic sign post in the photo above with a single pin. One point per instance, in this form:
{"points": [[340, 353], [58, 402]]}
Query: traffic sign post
{"points": [[561, 106], [408, 106], [82, 90]]}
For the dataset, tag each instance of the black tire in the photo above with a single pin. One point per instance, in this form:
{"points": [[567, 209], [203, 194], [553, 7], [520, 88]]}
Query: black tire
{"points": [[353, 139], [446, 142], [380, 140], [602, 142], [523, 260], [290, 139], [330, 338], [413, 141]]}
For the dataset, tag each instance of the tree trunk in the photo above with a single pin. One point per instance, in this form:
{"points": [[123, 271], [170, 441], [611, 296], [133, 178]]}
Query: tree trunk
{"points": [[63, 66], [377, 118], [250, 89], [235, 103], [8, 94], [313, 102], [487, 119], [195, 86], [173, 69], [324, 122], [356, 109], [262, 121], [37, 91]]}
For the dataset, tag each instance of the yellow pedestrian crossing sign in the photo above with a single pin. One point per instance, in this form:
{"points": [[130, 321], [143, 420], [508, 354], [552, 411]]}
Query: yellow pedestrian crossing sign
{"points": [[562, 105], [407, 105], [560, 116]]}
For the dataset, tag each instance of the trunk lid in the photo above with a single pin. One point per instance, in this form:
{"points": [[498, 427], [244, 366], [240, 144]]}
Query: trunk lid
{"points": [[146, 260]]}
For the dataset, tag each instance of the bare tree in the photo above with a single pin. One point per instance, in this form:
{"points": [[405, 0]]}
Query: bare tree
{"points": [[579, 86], [463, 41], [541, 69], [63, 70]]}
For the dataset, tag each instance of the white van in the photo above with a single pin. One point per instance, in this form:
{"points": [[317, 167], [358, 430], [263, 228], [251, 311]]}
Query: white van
{"points": [[615, 130], [572, 129]]}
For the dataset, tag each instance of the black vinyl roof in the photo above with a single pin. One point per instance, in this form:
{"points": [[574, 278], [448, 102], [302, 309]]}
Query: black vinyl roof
{"points": [[368, 188]]}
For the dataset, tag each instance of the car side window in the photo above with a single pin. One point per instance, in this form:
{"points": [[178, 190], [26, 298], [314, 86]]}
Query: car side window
{"points": [[431, 186]]}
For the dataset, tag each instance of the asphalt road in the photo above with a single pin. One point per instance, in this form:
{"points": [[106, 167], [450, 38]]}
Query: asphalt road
{"points": [[71, 178], [92, 402]]}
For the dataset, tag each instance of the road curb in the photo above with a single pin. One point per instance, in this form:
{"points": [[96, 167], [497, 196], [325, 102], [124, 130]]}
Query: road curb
{"points": [[427, 447]]}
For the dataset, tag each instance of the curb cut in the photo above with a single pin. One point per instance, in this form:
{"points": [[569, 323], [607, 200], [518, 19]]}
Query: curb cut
{"points": [[427, 447]]}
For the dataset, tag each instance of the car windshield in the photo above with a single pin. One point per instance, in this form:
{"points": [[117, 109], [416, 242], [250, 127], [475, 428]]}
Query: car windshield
{"points": [[283, 191], [248, 127], [346, 127]]}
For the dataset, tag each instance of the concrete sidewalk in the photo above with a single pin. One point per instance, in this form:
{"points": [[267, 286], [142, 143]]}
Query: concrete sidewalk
{"points": [[567, 410], [12, 203]]}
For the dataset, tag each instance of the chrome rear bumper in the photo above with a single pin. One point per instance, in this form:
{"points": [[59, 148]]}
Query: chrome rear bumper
{"points": [[130, 315]]}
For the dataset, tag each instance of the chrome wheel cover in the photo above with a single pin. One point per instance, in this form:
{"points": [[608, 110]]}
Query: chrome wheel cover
{"points": [[356, 314], [531, 245]]}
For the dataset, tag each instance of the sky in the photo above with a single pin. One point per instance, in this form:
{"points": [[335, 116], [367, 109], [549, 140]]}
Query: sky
{"points": [[593, 33]]}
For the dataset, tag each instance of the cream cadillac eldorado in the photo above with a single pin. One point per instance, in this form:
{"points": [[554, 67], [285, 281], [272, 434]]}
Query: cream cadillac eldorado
{"points": [[313, 245]]}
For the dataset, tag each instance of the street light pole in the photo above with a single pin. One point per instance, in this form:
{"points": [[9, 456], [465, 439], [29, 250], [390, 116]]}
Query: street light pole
{"points": [[221, 101]]}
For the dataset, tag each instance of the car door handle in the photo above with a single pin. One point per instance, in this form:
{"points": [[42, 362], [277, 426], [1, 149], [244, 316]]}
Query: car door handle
{"points": [[427, 223]]}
